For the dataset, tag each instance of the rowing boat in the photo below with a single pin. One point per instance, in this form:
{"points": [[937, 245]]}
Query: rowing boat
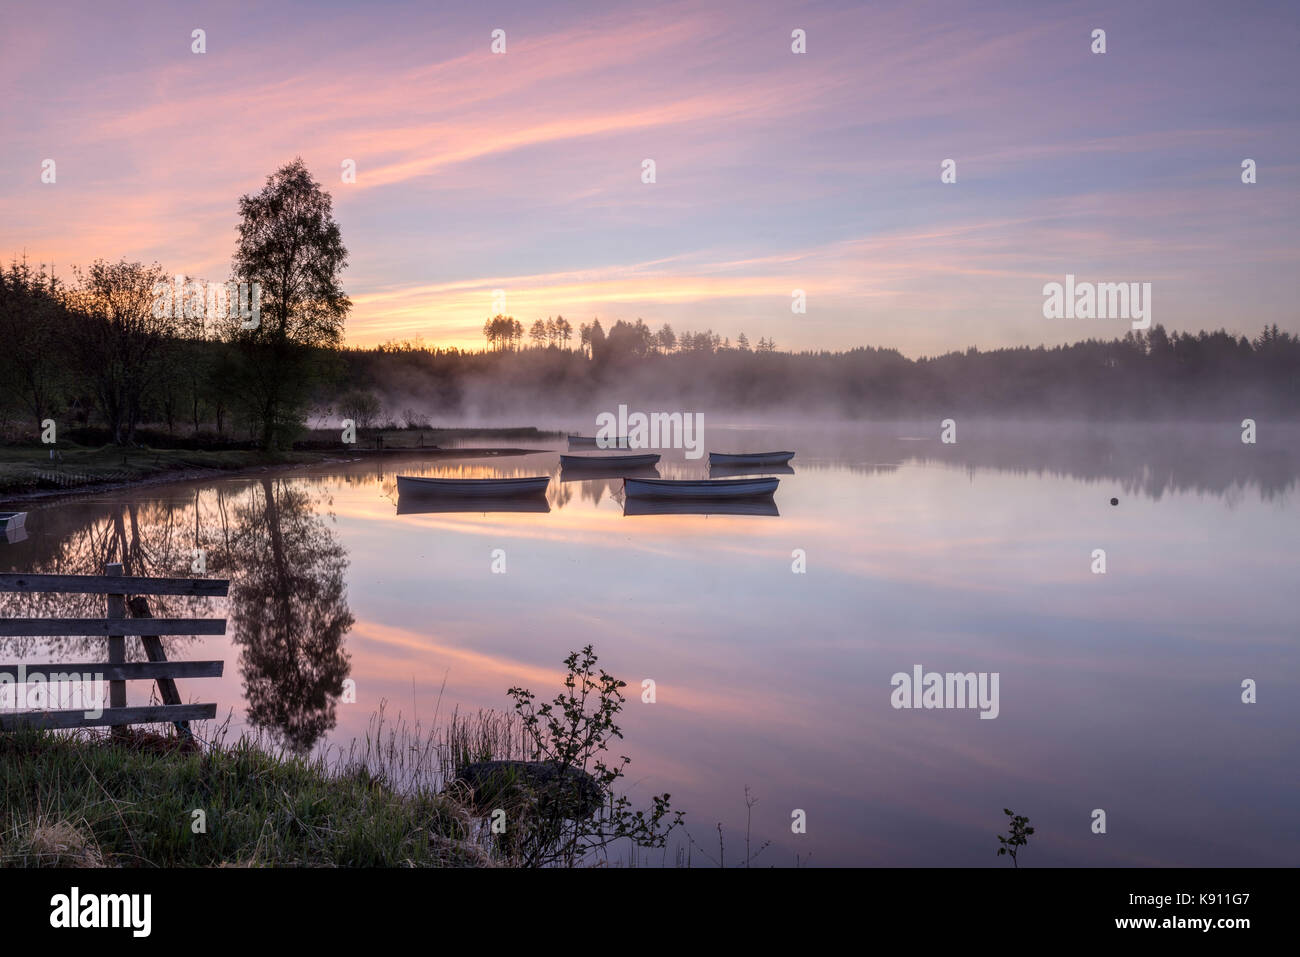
{"points": [[11, 527], [699, 488], [750, 458], [472, 488], [608, 461]]}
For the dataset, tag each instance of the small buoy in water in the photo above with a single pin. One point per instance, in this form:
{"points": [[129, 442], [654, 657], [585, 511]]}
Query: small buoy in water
{"points": [[1114, 501]]}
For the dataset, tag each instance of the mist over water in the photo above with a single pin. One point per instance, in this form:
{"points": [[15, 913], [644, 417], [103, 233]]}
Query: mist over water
{"points": [[1118, 691]]}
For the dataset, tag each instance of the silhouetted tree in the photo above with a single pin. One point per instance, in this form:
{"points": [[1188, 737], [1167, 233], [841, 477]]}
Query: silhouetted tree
{"points": [[666, 339], [291, 245], [33, 320], [119, 339]]}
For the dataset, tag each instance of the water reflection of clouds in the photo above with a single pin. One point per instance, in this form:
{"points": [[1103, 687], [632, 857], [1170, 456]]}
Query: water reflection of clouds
{"points": [[1117, 691]]}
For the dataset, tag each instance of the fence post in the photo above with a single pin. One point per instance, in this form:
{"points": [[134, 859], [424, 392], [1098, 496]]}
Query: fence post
{"points": [[116, 608], [154, 651]]}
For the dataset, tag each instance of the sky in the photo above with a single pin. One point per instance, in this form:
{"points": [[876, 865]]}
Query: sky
{"points": [[775, 171]]}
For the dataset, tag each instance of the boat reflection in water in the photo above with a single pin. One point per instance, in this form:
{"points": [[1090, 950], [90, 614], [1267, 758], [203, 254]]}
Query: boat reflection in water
{"points": [[750, 458], [609, 461], [427, 504], [723, 470], [700, 506], [588, 473]]}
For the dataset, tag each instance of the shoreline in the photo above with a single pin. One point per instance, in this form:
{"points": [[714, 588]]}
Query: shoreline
{"points": [[188, 474]]}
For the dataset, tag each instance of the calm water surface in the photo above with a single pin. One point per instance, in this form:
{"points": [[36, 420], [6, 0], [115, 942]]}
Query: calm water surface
{"points": [[1119, 691]]}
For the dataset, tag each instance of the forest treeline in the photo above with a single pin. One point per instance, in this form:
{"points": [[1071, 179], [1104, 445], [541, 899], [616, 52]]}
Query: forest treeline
{"points": [[97, 355], [64, 359], [1145, 374], [122, 346]]}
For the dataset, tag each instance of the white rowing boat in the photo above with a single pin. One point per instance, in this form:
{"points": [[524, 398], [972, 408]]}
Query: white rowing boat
{"points": [[11, 527], [699, 488], [750, 458], [472, 488], [608, 461]]}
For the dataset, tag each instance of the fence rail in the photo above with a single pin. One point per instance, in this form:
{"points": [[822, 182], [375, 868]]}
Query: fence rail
{"points": [[115, 626], [130, 671], [115, 717], [113, 584], [36, 627]]}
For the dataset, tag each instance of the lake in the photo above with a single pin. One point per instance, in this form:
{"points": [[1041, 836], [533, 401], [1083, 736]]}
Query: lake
{"points": [[773, 639]]}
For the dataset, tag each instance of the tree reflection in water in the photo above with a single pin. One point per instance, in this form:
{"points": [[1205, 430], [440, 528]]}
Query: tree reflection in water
{"points": [[287, 610]]}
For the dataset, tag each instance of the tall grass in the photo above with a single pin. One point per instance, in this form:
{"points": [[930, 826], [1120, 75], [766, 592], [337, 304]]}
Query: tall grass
{"points": [[407, 757], [82, 798]]}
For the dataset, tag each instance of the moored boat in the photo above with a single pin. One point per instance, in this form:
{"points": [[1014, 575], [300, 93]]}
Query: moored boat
{"points": [[750, 458], [11, 527], [472, 488], [608, 461], [699, 488]]}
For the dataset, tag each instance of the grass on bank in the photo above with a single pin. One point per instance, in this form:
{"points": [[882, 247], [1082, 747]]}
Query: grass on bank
{"points": [[29, 467], [398, 797], [26, 468], [83, 800]]}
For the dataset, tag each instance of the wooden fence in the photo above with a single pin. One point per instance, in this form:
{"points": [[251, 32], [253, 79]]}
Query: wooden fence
{"points": [[115, 626]]}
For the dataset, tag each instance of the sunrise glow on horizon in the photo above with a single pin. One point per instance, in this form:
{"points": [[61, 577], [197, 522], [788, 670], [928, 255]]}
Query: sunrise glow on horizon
{"points": [[775, 171]]}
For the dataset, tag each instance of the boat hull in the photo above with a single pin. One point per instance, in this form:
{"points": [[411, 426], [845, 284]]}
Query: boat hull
{"points": [[13, 520], [699, 488], [750, 458], [473, 488]]}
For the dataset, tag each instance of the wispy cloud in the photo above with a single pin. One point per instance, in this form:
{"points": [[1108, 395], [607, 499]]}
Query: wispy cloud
{"points": [[775, 171]]}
